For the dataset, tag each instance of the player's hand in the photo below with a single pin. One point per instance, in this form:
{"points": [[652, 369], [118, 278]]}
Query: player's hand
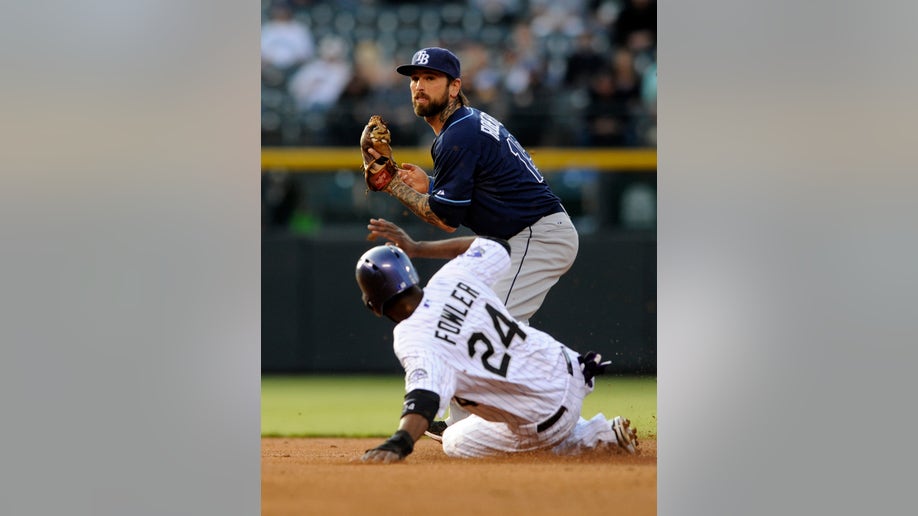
{"points": [[379, 171], [592, 364], [373, 152], [396, 448], [374, 155], [415, 177], [383, 456], [382, 228]]}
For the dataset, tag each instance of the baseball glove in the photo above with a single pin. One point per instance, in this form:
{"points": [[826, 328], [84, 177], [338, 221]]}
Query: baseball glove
{"points": [[378, 172]]}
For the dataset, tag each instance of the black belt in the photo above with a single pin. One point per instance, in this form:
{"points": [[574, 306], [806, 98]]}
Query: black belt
{"points": [[545, 425]]}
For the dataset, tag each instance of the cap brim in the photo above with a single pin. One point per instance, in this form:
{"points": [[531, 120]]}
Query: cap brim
{"points": [[406, 69], [409, 69]]}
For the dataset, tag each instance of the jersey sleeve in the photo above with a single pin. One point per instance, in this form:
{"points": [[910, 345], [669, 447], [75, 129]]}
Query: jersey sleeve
{"points": [[487, 259], [428, 371]]}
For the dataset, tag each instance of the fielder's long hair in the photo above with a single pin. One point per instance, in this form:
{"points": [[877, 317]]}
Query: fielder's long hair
{"points": [[463, 100]]}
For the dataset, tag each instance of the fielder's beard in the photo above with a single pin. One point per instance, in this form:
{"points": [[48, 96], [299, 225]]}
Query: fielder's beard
{"points": [[433, 106]]}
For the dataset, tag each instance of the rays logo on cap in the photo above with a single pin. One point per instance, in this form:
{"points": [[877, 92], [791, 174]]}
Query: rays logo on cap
{"points": [[432, 58], [420, 58]]}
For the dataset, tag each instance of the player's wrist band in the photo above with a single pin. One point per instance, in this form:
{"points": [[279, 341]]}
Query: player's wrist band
{"points": [[422, 402]]}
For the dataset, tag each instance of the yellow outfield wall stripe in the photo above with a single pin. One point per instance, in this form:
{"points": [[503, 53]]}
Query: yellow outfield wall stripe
{"points": [[318, 159]]}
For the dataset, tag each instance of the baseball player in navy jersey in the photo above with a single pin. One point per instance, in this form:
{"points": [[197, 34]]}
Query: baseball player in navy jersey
{"points": [[485, 180], [457, 341], [482, 179]]}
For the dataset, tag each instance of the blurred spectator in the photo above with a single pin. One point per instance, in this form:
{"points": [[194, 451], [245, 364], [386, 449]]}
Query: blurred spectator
{"points": [[635, 27], [583, 62], [604, 117], [285, 42], [345, 120], [498, 11], [627, 81], [604, 12], [524, 67], [388, 98], [374, 89], [647, 129], [649, 88], [557, 16], [317, 85], [481, 79], [628, 89], [529, 118], [521, 59]]}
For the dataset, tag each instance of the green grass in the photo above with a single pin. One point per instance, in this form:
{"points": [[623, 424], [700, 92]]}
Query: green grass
{"points": [[369, 406]]}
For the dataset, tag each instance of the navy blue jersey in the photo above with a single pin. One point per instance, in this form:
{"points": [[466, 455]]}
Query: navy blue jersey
{"points": [[484, 180]]}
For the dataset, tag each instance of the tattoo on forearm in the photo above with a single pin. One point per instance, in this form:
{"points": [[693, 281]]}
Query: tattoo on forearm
{"points": [[417, 203]]}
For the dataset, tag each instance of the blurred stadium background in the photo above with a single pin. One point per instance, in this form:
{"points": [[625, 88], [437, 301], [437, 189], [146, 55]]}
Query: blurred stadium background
{"points": [[574, 80]]}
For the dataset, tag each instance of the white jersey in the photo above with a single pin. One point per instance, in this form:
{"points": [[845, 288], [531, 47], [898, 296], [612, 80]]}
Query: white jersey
{"points": [[461, 342]]}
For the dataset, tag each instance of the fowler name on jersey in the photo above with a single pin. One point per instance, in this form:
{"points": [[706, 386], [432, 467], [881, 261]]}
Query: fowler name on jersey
{"points": [[451, 318]]}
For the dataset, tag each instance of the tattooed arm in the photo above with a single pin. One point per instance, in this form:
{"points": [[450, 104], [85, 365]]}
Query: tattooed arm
{"points": [[417, 203]]}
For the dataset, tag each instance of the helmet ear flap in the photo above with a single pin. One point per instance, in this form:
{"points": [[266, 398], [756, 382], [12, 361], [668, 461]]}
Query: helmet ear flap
{"points": [[367, 303]]}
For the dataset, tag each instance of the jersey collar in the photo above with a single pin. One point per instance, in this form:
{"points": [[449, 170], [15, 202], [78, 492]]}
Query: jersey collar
{"points": [[459, 115]]}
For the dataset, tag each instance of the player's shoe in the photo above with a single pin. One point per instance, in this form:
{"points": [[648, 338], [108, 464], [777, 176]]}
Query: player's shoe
{"points": [[625, 434], [435, 430]]}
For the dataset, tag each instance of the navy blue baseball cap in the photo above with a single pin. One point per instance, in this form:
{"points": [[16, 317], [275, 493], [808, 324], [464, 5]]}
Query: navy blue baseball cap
{"points": [[432, 58]]}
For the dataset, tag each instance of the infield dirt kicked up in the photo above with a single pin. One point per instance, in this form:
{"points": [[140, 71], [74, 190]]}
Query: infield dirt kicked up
{"points": [[324, 476]]}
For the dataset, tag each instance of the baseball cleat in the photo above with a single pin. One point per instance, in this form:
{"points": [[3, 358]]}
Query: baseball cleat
{"points": [[435, 430], [626, 436]]}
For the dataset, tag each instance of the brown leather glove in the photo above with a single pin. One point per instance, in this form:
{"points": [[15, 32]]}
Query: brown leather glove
{"points": [[377, 171]]}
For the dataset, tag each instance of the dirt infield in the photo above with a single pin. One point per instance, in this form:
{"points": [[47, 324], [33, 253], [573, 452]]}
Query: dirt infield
{"points": [[325, 477]]}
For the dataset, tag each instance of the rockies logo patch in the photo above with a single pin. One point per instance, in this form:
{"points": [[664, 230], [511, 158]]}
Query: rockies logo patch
{"points": [[417, 375]]}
